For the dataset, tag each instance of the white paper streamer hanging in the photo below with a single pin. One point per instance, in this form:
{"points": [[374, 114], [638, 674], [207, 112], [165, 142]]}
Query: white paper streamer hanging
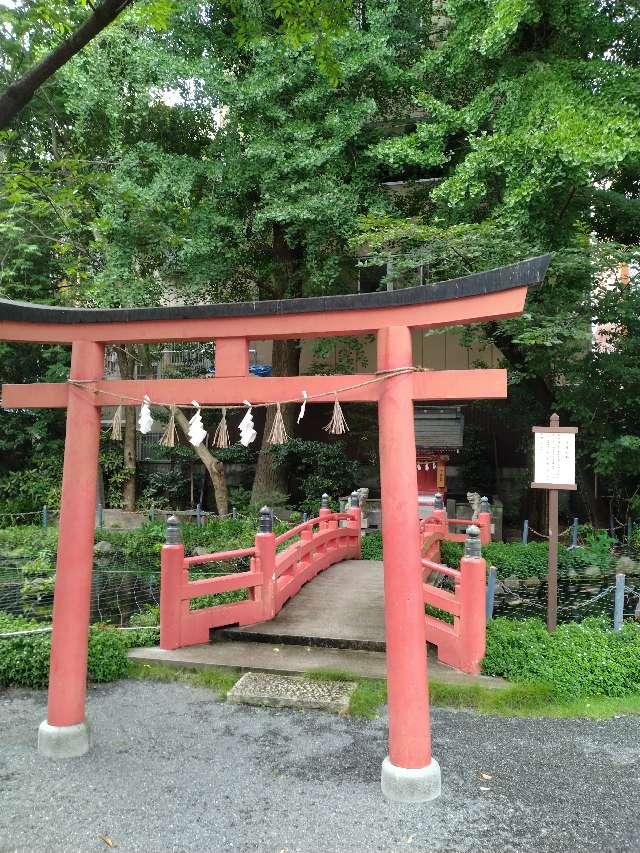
{"points": [[197, 432], [303, 407], [145, 421], [247, 432]]}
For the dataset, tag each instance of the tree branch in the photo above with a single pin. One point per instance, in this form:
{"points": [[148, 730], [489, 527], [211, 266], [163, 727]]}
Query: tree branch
{"points": [[16, 96]]}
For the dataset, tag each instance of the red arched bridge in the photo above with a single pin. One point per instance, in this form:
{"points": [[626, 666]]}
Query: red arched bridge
{"points": [[280, 565]]}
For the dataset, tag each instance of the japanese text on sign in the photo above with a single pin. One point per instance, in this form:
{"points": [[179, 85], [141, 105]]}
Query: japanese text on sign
{"points": [[555, 458]]}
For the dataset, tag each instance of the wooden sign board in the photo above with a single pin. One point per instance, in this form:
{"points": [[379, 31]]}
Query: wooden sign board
{"points": [[555, 458]]}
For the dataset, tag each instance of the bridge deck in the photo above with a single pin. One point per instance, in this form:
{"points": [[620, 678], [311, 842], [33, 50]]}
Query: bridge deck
{"points": [[343, 607]]}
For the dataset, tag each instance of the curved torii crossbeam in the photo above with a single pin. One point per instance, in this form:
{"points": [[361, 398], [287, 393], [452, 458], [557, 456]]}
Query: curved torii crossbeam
{"points": [[411, 773]]}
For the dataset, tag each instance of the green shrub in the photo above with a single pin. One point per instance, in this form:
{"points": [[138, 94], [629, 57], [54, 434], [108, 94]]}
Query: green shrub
{"points": [[451, 553], [531, 560], [148, 621], [372, 546], [576, 660], [107, 659], [24, 661]]}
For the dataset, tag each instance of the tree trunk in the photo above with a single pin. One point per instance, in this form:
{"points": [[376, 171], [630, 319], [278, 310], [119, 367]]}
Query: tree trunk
{"points": [[285, 359], [18, 94], [214, 467], [126, 362], [268, 478]]}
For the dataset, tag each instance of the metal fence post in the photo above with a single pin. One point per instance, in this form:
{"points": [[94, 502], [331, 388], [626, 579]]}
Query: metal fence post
{"points": [[612, 529], [234, 512], [525, 531], [618, 606], [491, 590], [99, 515], [574, 533], [45, 516]]}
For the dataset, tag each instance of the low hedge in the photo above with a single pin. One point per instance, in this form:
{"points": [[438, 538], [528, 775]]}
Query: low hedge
{"points": [[24, 661], [515, 559], [578, 659]]}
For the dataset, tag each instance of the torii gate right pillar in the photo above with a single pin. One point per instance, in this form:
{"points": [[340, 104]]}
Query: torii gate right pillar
{"points": [[409, 773]]}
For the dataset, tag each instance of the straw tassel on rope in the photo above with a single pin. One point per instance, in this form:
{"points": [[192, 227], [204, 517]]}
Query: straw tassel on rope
{"points": [[221, 435], [169, 435], [337, 425], [278, 434], [116, 424]]}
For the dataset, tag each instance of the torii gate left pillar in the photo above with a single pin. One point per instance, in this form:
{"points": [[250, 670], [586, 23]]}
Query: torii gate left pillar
{"points": [[409, 774], [65, 732]]}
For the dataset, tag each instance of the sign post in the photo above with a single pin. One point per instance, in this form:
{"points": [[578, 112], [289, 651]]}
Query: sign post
{"points": [[555, 469]]}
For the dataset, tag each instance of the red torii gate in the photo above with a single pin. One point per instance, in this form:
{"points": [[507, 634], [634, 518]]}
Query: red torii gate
{"points": [[410, 772]]}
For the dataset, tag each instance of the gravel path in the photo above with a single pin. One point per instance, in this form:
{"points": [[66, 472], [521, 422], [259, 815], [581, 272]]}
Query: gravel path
{"points": [[172, 769]]}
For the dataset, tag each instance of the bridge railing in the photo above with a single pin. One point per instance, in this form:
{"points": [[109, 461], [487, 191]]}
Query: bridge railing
{"points": [[275, 573], [461, 641]]}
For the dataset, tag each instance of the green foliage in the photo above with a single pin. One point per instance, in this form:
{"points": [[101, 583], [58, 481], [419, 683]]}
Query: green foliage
{"points": [[215, 679], [148, 620], [29, 490], [530, 137], [316, 467], [24, 661], [531, 560], [372, 546], [450, 553], [578, 659], [107, 659]]}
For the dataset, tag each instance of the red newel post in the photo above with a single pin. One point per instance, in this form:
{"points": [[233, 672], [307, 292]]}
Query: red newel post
{"points": [[171, 579], [472, 592], [409, 774], [266, 556], [65, 733]]}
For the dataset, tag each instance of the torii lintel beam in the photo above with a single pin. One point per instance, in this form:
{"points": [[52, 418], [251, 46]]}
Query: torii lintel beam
{"points": [[429, 385], [497, 293]]}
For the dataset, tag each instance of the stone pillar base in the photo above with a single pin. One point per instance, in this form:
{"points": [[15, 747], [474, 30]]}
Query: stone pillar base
{"points": [[63, 741], [410, 785]]}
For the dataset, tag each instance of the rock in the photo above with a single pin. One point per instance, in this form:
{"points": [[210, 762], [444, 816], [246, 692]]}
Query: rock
{"points": [[626, 565], [103, 548], [512, 582], [199, 551], [531, 582], [592, 572]]}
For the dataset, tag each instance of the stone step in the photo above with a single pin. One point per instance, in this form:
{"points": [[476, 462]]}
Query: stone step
{"points": [[291, 691], [285, 637]]}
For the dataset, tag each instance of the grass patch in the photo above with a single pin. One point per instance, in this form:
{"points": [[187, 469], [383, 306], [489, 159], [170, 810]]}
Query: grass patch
{"points": [[517, 700], [220, 680], [368, 696]]}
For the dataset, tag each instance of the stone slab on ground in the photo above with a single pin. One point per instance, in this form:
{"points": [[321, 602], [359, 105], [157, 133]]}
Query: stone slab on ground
{"points": [[291, 691], [290, 659]]}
